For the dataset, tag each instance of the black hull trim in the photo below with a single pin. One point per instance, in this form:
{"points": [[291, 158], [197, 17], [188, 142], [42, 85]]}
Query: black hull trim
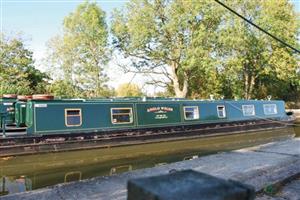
{"points": [[23, 145]]}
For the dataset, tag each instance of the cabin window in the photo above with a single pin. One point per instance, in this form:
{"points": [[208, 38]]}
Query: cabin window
{"points": [[121, 115], [191, 112], [73, 117], [221, 111], [248, 110], [270, 109]]}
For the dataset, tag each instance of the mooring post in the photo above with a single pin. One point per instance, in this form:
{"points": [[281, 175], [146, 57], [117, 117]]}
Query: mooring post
{"points": [[190, 185]]}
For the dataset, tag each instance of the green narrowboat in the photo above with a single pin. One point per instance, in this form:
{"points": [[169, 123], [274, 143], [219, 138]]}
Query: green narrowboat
{"points": [[70, 124], [20, 114], [105, 115], [7, 108]]}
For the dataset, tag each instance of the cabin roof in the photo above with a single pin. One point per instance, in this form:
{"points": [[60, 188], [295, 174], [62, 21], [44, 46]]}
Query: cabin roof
{"points": [[148, 99]]}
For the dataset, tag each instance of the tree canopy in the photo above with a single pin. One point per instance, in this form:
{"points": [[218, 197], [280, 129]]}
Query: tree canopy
{"points": [[251, 60], [192, 48], [201, 48], [81, 53], [170, 38], [129, 90], [17, 72]]}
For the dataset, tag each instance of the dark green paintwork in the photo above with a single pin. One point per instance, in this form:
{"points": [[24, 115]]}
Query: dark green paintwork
{"points": [[7, 105], [48, 117], [161, 113], [20, 113]]}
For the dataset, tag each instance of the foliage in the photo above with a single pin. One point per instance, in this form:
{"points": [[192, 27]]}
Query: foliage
{"points": [[170, 38], [81, 53], [201, 48], [17, 72], [163, 94], [63, 89], [129, 90], [251, 60], [193, 48]]}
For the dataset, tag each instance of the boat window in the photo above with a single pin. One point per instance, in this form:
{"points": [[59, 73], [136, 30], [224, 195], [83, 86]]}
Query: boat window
{"points": [[221, 111], [73, 117], [270, 109], [248, 110], [191, 112], [121, 115]]}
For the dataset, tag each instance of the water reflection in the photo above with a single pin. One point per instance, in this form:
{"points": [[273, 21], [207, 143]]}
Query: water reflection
{"points": [[15, 184], [25, 173]]}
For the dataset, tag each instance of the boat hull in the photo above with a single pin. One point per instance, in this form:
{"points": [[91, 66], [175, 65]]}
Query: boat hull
{"points": [[22, 144]]}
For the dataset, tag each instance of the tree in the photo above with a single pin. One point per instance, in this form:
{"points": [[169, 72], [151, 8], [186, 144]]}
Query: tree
{"points": [[252, 62], [173, 39], [83, 50], [63, 89], [17, 72], [129, 90]]}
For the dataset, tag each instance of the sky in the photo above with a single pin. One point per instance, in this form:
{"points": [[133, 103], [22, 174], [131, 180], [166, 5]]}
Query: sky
{"points": [[40, 20]]}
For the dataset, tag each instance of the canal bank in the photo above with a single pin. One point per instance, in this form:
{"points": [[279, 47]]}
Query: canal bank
{"points": [[260, 166], [42, 170]]}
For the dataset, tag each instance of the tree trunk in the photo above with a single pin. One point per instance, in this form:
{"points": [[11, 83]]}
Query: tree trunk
{"points": [[246, 79], [251, 86], [181, 93], [97, 75], [249, 81]]}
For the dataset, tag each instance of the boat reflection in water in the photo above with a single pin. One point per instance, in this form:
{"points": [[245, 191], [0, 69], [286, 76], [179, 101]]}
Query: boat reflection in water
{"points": [[23, 173], [13, 184]]}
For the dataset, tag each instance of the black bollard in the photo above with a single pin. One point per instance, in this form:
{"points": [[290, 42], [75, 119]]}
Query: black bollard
{"points": [[190, 185]]}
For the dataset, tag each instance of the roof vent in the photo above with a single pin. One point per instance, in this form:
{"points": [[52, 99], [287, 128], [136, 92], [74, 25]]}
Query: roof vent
{"points": [[211, 97], [145, 98], [269, 97]]}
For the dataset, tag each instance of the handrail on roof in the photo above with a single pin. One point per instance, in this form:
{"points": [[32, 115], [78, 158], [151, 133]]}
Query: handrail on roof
{"points": [[142, 99]]}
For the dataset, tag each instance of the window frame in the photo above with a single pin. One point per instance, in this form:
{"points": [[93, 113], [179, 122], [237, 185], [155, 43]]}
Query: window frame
{"points": [[184, 112], [224, 111], [273, 104], [243, 110], [122, 108], [66, 116]]}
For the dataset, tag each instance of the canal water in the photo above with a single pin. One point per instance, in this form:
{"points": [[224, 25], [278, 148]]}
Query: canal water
{"points": [[23, 173]]}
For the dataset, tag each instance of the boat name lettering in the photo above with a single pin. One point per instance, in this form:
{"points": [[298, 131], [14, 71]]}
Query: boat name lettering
{"points": [[161, 116], [8, 104], [161, 109]]}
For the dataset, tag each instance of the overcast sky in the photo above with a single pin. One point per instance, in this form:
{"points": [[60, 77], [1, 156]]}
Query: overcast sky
{"points": [[40, 20]]}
